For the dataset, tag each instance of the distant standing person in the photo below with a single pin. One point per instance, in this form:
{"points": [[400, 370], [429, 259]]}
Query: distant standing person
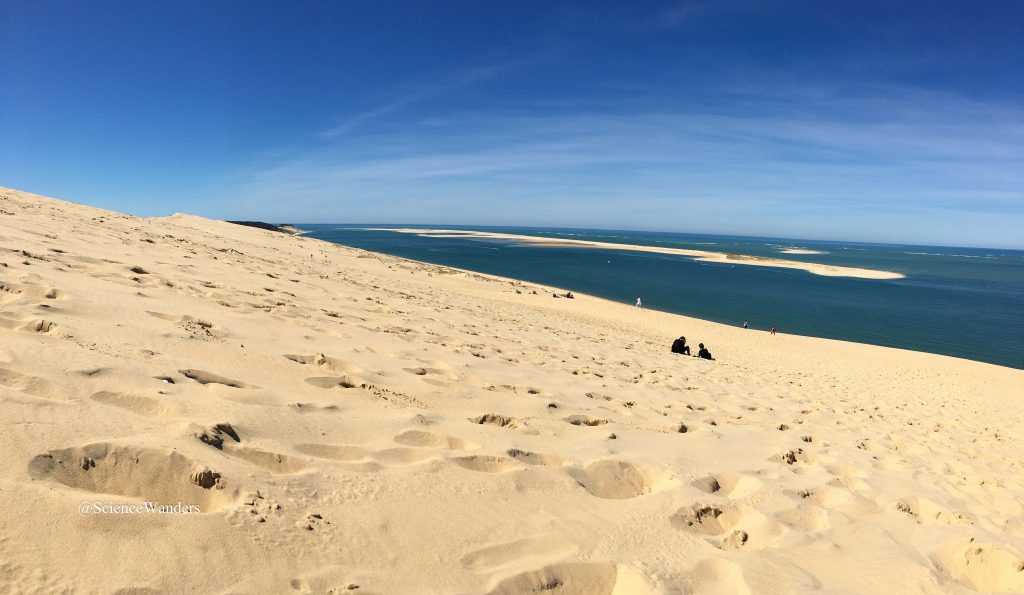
{"points": [[639, 304], [773, 330], [704, 353], [744, 324]]}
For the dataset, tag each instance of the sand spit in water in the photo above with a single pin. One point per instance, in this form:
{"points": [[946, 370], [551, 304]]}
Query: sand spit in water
{"points": [[701, 255]]}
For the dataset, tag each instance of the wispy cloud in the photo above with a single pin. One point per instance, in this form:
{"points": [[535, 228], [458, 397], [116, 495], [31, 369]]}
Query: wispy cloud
{"points": [[421, 92], [687, 13], [885, 158]]}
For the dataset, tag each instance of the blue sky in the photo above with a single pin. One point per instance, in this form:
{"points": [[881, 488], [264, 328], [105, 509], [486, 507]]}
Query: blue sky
{"points": [[874, 121]]}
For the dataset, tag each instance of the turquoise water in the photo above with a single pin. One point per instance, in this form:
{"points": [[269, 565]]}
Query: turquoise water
{"points": [[964, 302]]}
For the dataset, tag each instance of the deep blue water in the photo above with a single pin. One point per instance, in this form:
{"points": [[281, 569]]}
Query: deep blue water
{"points": [[964, 302]]}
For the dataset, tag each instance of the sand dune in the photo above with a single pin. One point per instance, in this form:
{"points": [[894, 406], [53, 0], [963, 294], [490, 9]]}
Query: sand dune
{"points": [[342, 421]]}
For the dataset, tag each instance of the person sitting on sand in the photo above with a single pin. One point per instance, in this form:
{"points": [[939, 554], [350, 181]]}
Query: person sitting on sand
{"points": [[679, 346], [703, 353], [569, 295]]}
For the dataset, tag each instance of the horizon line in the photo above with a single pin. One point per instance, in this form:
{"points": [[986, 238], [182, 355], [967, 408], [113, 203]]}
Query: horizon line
{"points": [[715, 234]]}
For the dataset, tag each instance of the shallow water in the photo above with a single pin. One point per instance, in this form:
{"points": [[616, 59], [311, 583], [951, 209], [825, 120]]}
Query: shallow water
{"points": [[964, 302]]}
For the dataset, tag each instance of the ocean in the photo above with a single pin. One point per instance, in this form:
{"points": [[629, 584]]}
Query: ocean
{"points": [[963, 302]]}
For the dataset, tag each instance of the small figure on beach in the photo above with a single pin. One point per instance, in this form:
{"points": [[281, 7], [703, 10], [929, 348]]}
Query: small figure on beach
{"points": [[703, 353], [745, 325], [569, 295], [773, 330], [639, 304], [679, 346]]}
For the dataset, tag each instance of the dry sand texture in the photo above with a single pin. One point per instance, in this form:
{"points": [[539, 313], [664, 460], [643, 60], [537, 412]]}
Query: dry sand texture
{"points": [[827, 270], [344, 419]]}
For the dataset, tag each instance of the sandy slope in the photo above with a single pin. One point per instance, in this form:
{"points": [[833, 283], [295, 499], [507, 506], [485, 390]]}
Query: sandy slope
{"points": [[344, 419]]}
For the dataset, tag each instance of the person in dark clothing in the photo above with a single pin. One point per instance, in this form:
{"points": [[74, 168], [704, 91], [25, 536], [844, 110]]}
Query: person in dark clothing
{"points": [[680, 346], [703, 353]]}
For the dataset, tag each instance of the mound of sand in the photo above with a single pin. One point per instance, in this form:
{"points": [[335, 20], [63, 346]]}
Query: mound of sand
{"points": [[342, 421]]}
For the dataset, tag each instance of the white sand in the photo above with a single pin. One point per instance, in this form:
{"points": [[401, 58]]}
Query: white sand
{"points": [[346, 419], [801, 251], [827, 270]]}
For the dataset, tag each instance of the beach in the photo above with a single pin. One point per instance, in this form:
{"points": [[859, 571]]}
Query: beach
{"points": [[189, 405]]}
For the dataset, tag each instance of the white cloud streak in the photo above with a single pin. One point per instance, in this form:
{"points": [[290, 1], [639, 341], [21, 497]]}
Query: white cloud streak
{"points": [[907, 165]]}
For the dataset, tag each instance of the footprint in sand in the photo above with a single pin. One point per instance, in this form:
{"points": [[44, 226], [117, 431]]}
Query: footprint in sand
{"points": [[403, 456], [313, 408], [494, 419], [926, 512], [486, 463], [203, 377], [430, 372], [12, 292], [423, 438], [619, 480], [150, 474], [532, 458], [585, 420], [137, 404], [195, 327], [271, 461], [344, 452], [31, 325], [806, 517], [794, 456], [95, 372], [729, 526], [833, 497], [730, 485], [438, 376], [322, 361], [223, 436], [215, 435], [573, 578], [32, 386], [718, 575], [336, 382], [982, 566], [330, 579]]}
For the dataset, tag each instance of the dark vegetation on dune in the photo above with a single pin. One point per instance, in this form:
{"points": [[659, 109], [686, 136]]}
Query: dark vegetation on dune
{"points": [[282, 228]]}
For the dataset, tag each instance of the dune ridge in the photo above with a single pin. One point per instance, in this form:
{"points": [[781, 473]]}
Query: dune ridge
{"points": [[346, 421]]}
